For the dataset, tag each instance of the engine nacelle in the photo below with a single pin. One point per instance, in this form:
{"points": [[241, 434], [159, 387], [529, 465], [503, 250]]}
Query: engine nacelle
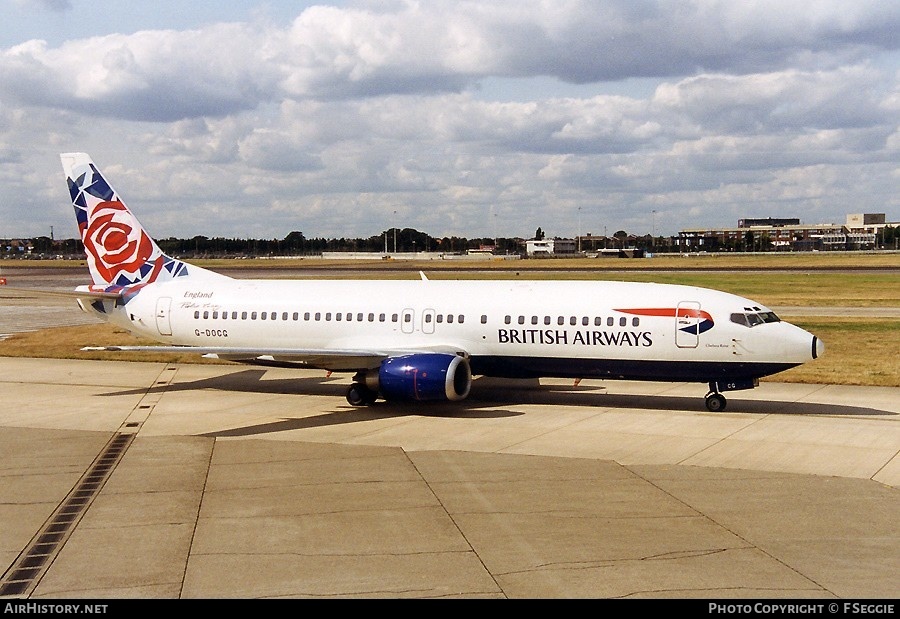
{"points": [[425, 376]]}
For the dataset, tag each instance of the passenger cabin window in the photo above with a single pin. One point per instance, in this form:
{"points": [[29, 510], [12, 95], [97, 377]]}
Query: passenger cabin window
{"points": [[484, 319]]}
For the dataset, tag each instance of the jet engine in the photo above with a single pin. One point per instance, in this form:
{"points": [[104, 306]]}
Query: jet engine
{"points": [[417, 377]]}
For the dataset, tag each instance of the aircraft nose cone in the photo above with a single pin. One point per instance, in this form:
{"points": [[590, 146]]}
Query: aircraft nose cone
{"points": [[818, 347]]}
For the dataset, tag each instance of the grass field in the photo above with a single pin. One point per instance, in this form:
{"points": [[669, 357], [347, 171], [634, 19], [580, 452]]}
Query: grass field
{"points": [[859, 350]]}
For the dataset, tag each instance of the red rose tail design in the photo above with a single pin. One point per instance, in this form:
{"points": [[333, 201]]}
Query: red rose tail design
{"points": [[120, 253]]}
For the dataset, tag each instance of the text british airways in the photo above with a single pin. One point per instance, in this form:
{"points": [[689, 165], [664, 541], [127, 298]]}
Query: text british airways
{"points": [[584, 337]]}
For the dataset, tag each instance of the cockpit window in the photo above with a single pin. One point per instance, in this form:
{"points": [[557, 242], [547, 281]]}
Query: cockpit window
{"points": [[751, 319]]}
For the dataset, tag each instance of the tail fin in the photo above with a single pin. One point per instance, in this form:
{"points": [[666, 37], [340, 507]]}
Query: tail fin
{"points": [[119, 251]]}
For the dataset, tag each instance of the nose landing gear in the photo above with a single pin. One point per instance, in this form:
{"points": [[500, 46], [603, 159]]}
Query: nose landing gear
{"points": [[715, 402]]}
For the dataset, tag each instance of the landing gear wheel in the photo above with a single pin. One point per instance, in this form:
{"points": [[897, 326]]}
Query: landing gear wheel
{"points": [[360, 395], [715, 402]]}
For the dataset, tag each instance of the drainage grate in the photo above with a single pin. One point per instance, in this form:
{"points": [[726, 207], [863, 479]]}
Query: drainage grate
{"points": [[25, 573]]}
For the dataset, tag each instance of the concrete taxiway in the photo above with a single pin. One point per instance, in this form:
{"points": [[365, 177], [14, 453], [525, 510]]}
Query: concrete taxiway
{"points": [[123, 480]]}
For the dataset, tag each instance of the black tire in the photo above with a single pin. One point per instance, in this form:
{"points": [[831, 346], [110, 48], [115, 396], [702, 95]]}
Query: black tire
{"points": [[360, 395], [356, 395], [715, 402]]}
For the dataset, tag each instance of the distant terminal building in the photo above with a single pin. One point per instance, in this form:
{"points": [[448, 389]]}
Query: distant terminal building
{"points": [[867, 222], [550, 247], [861, 231]]}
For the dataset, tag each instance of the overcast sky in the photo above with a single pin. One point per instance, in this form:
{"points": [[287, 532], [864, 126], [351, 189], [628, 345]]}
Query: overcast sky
{"points": [[469, 118]]}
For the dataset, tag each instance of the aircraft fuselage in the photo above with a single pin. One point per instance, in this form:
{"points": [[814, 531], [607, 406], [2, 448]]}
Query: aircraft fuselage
{"points": [[602, 329]]}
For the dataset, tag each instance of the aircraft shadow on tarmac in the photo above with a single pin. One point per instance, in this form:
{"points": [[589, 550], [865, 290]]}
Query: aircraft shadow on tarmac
{"points": [[487, 400]]}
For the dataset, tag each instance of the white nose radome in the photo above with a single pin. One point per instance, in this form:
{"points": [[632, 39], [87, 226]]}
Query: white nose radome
{"points": [[818, 347]]}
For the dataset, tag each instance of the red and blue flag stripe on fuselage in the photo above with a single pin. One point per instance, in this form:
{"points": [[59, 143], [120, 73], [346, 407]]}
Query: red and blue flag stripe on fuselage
{"points": [[704, 324]]}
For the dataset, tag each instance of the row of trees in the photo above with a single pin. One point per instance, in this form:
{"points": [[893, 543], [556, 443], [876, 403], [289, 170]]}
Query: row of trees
{"points": [[398, 240], [296, 244]]}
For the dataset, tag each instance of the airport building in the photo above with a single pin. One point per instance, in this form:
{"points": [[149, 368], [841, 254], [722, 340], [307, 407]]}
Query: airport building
{"points": [[550, 247], [860, 231]]}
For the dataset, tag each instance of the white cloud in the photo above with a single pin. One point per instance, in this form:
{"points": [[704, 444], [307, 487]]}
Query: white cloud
{"points": [[331, 121]]}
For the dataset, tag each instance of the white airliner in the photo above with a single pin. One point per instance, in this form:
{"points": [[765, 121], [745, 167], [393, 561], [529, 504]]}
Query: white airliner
{"points": [[423, 339]]}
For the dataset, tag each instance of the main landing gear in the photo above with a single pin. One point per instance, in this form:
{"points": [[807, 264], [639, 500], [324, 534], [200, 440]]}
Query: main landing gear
{"points": [[360, 395]]}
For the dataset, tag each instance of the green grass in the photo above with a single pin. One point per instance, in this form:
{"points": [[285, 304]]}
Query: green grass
{"points": [[772, 288], [857, 352]]}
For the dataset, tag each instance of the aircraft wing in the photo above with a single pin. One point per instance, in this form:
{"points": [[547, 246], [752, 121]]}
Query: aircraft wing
{"points": [[338, 359], [85, 295]]}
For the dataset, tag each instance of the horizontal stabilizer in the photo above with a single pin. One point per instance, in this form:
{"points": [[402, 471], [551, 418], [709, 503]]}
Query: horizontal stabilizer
{"points": [[89, 295]]}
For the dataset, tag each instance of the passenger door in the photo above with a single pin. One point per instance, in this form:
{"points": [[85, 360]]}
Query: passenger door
{"points": [[163, 315], [687, 324]]}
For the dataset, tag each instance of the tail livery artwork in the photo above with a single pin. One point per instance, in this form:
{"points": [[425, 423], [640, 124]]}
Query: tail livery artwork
{"points": [[423, 339]]}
